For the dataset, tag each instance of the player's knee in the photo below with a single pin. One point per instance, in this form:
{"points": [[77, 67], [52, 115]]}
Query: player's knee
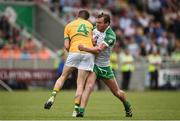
{"points": [[89, 87], [119, 93], [122, 93]]}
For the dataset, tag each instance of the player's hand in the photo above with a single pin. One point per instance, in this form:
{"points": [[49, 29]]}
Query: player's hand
{"points": [[94, 42], [81, 47]]}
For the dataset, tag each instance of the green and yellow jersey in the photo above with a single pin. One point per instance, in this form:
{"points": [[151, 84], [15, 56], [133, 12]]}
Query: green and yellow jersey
{"points": [[78, 32]]}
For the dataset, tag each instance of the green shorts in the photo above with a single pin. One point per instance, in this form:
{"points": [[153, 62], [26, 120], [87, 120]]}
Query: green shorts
{"points": [[103, 72]]}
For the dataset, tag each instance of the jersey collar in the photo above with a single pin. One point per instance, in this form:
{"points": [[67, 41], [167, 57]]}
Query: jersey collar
{"points": [[106, 29]]}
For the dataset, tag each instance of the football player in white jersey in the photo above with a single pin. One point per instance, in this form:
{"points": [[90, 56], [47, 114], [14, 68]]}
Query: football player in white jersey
{"points": [[105, 39]]}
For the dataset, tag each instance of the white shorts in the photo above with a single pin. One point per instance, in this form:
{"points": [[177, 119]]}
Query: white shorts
{"points": [[84, 61]]}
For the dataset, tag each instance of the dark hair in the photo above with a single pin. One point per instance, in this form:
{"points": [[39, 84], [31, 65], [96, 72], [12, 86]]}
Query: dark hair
{"points": [[83, 14], [106, 17]]}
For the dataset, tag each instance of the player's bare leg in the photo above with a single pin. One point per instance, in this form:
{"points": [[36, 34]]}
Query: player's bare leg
{"points": [[90, 82], [81, 79], [120, 94], [58, 85]]}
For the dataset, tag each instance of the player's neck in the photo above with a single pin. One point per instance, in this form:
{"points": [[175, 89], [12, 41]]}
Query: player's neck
{"points": [[103, 30]]}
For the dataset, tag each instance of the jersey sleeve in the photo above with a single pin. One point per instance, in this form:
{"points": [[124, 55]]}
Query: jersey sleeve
{"points": [[66, 33], [109, 40]]}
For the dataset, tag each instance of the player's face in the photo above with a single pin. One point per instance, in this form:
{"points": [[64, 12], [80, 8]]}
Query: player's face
{"points": [[101, 26]]}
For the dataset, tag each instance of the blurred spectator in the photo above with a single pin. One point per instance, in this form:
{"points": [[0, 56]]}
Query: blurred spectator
{"points": [[127, 67], [16, 52], [33, 54], [10, 14], [144, 19], [43, 52], [15, 36], [25, 55], [162, 39], [150, 29], [138, 36], [143, 52], [133, 48], [61, 63], [125, 22], [57, 59], [155, 61], [120, 38], [176, 27], [55, 7], [130, 30], [158, 29], [154, 7], [1, 41], [29, 45], [11, 42], [151, 47], [5, 27], [115, 22], [171, 43], [67, 2], [176, 55], [5, 52]]}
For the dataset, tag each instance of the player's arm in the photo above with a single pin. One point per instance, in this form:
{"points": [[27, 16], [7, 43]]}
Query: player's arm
{"points": [[66, 38], [67, 44], [94, 50], [108, 41]]}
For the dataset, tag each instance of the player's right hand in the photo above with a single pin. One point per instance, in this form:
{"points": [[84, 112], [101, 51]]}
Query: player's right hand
{"points": [[80, 47]]}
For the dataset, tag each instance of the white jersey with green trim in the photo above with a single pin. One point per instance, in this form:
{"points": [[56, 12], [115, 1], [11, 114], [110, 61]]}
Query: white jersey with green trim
{"points": [[107, 37]]}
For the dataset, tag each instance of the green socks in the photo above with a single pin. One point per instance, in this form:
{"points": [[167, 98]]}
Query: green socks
{"points": [[126, 105], [81, 110]]}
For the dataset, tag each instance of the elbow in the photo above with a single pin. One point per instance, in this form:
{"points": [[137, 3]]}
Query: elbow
{"points": [[66, 48]]}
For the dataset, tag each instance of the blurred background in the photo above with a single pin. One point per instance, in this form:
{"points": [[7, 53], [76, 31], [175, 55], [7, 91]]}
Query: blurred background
{"points": [[31, 42]]}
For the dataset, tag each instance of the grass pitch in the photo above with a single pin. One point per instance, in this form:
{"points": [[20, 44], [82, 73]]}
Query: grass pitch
{"points": [[28, 105]]}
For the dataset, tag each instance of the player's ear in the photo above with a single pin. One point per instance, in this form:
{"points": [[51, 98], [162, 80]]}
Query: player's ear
{"points": [[107, 24]]}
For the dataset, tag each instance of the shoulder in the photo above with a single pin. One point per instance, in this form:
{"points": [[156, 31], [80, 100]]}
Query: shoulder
{"points": [[89, 24], [72, 22], [110, 37], [110, 34]]}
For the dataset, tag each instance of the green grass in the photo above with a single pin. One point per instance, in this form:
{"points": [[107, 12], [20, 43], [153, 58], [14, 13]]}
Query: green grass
{"points": [[102, 105]]}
